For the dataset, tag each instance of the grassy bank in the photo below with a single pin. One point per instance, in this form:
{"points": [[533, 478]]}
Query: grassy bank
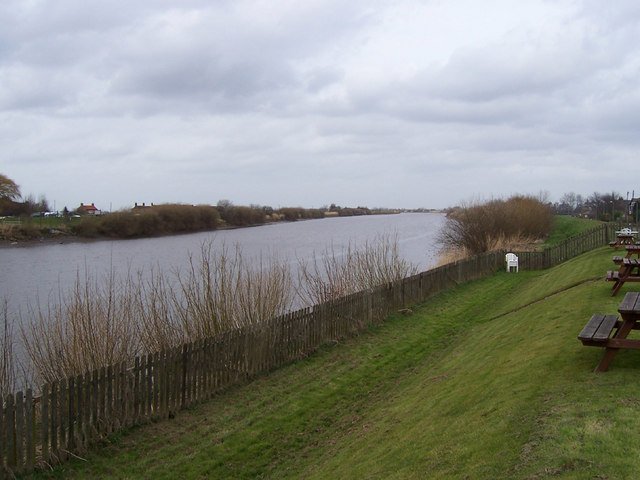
{"points": [[485, 381], [565, 227]]}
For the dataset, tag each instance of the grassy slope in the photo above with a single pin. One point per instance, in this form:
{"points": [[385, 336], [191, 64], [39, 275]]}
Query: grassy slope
{"points": [[565, 227], [485, 381]]}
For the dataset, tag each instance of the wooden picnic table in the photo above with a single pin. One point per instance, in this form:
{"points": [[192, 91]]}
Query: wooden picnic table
{"points": [[623, 239], [598, 331], [629, 272], [632, 249]]}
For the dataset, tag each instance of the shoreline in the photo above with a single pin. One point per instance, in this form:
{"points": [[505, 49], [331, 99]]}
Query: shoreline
{"points": [[59, 237]]}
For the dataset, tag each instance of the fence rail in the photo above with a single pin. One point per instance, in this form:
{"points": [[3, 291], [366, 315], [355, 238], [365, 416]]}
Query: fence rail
{"points": [[71, 415]]}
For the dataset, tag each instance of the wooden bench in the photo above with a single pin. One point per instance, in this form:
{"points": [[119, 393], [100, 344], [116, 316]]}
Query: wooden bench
{"points": [[597, 331], [607, 331], [632, 249], [613, 275], [629, 272], [623, 239]]}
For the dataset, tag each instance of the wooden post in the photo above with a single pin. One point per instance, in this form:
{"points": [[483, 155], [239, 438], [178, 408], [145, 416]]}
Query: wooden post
{"points": [[30, 437], [109, 400], [184, 376], [44, 412], [10, 425], [54, 419], [19, 432], [63, 394], [71, 413]]}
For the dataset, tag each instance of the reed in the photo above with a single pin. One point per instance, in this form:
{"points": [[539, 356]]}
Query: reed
{"points": [[220, 291], [7, 364], [89, 327], [109, 320], [353, 269], [156, 310]]}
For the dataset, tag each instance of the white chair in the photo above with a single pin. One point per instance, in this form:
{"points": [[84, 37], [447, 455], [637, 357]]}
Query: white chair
{"points": [[512, 261]]}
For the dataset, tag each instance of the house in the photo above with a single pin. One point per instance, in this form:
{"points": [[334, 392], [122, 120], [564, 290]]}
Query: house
{"points": [[141, 207], [88, 209]]}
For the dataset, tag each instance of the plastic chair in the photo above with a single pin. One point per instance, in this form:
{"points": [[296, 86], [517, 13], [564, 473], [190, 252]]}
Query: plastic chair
{"points": [[512, 261]]}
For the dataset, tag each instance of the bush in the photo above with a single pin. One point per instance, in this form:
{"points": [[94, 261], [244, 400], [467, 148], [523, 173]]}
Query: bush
{"points": [[243, 216], [106, 320], [291, 214], [156, 220], [484, 227], [87, 227], [338, 274]]}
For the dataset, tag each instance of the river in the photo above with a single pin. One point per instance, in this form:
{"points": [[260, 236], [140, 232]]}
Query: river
{"points": [[35, 271]]}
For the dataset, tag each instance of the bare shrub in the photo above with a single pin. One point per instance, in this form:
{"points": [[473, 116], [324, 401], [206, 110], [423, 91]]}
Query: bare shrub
{"points": [[240, 216], [352, 270], [105, 321], [7, 231], [87, 328], [155, 306], [109, 320], [481, 228], [154, 220], [220, 291]]}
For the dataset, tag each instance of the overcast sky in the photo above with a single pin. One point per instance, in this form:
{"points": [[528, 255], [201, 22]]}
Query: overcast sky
{"points": [[307, 103]]}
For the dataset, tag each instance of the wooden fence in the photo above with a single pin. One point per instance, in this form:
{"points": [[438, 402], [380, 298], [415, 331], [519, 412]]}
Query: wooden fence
{"points": [[572, 247], [67, 417]]}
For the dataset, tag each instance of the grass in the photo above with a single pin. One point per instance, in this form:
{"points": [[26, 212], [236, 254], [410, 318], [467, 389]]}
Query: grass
{"points": [[565, 227], [485, 381]]}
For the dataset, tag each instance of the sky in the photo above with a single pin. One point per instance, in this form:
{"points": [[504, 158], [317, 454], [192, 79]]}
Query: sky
{"points": [[396, 104]]}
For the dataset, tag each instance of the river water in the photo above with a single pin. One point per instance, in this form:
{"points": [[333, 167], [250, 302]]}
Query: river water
{"points": [[36, 271]]}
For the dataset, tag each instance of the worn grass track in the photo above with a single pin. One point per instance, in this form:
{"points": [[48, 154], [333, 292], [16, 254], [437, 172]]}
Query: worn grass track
{"points": [[485, 381]]}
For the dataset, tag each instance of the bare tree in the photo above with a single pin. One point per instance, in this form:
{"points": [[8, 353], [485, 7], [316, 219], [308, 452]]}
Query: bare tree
{"points": [[8, 188]]}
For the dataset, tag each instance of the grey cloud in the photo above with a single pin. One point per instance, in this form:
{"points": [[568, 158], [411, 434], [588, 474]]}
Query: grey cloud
{"points": [[278, 103]]}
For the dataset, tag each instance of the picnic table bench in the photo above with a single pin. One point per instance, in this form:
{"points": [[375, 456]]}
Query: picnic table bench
{"points": [[632, 249], [624, 237], [610, 332], [629, 272]]}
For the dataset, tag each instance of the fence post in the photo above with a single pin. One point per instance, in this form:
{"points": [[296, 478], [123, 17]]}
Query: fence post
{"points": [[31, 430], [10, 430], [184, 376]]}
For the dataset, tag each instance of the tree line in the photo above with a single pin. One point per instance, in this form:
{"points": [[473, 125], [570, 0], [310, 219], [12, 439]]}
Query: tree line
{"points": [[598, 206], [146, 220]]}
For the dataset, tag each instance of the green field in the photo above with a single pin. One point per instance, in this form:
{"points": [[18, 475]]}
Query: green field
{"points": [[566, 227], [485, 381]]}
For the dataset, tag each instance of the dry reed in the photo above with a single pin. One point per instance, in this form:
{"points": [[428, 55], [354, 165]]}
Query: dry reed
{"points": [[109, 320], [499, 242], [480, 228], [7, 365], [89, 327], [221, 292], [337, 274]]}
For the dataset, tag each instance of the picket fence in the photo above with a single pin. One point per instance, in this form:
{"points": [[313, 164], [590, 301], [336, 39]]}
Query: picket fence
{"points": [[71, 415]]}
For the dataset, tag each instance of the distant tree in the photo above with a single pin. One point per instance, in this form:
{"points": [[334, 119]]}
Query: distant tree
{"points": [[8, 188], [568, 204], [224, 205], [544, 196]]}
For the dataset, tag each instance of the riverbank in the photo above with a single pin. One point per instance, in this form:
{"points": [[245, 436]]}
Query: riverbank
{"points": [[158, 221], [464, 387]]}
